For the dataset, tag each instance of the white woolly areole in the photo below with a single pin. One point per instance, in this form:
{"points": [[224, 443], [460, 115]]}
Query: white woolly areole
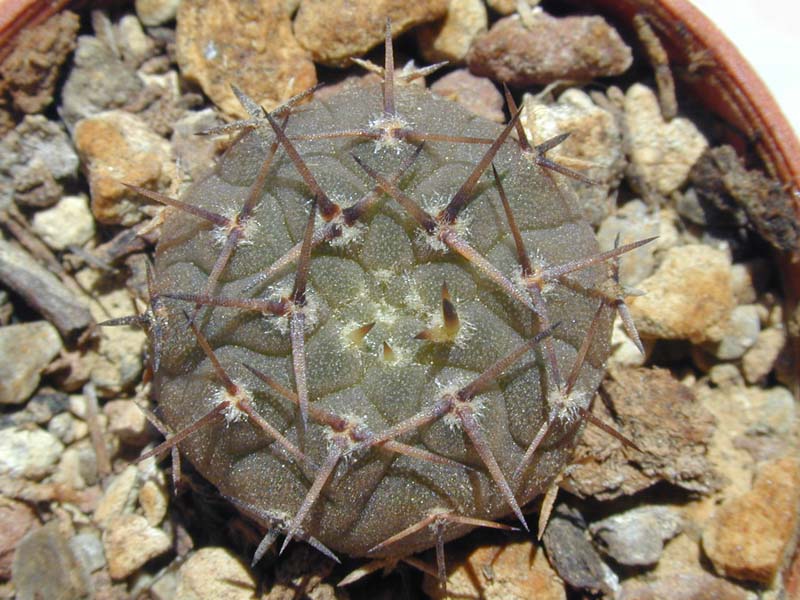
{"points": [[283, 290], [567, 408], [249, 226], [387, 125], [232, 414]]}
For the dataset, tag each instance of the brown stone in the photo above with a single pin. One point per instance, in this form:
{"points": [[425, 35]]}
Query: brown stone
{"points": [[336, 30], [129, 542], [749, 537], [548, 49], [476, 94], [30, 71], [663, 418], [249, 44], [118, 147], [515, 571]]}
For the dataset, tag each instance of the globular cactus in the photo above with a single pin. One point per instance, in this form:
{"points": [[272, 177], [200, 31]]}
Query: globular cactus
{"points": [[378, 323]]}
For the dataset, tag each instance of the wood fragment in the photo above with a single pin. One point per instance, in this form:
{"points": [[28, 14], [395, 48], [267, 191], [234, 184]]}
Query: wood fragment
{"points": [[659, 60], [43, 291]]}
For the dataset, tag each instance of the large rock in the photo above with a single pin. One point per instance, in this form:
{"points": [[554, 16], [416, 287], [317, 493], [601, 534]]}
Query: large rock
{"points": [[689, 297], [336, 30], [548, 49], [249, 44]]}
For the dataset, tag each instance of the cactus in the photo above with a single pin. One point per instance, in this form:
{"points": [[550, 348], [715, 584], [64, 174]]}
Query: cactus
{"points": [[380, 321]]}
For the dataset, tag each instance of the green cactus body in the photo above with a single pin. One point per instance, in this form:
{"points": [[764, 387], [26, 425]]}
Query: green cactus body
{"points": [[377, 348]]}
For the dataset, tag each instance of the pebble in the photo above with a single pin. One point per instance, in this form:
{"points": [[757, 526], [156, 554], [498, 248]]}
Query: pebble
{"points": [[118, 498], [156, 12], [336, 30], [593, 148], [194, 153], [683, 586], [212, 573], [88, 548], [118, 147], [636, 537], [67, 428], [548, 49], [750, 279], [513, 571], [116, 363], [45, 566], [689, 297], [662, 152], [99, 80], [68, 223], [154, 501], [451, 38], [133, 43], [741, 332], [633, 221], [129, 542], [22, 364], [477, 94], [748, 536], [249, 44], [72, 468], [772, 411], [35, 159], [16, 519], [760, 359], [31, 452], [127, 421]]}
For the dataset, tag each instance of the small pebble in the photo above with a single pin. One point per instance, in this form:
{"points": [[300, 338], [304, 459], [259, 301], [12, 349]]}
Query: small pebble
{"points": [[548, 49], [132, 41], [662, 152], [31, 453], [129, 542], [88, 548], [35, 159], [633, 221], [636, 537], [451, 38], [476, 94], [747, 536], [127, 421], [68, 223], [22, 364], [741, 333], [67, 428], [154, 501], [118, 498], [118, 147], [98, 81], [212, 573], [760, 359]]}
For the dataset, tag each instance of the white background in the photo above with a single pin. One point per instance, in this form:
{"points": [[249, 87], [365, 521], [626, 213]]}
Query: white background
{"points": [[767, 33]]}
